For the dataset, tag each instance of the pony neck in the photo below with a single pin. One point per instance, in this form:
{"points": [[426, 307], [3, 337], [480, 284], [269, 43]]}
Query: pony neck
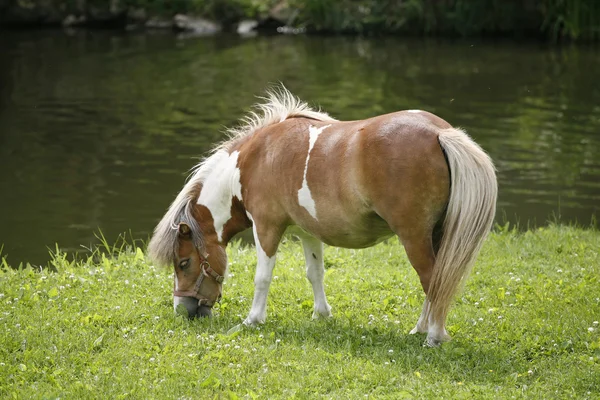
{"points": [[220, 199]]}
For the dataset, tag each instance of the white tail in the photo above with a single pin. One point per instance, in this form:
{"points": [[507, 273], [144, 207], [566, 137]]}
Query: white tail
{"points": [[469, 218]]}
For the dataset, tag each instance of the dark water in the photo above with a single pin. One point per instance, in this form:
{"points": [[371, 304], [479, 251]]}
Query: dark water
{"points": [[97, 130]]}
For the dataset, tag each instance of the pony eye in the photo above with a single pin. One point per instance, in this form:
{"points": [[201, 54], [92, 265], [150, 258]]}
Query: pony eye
{"points": [[184, 263]]}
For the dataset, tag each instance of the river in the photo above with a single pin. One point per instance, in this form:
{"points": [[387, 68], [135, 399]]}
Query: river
{"points": [[98, 129]]}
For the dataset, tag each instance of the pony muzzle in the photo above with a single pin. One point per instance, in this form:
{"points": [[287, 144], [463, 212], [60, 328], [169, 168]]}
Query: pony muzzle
{"points": [[186, 306], [204, 311], [191, 307]]}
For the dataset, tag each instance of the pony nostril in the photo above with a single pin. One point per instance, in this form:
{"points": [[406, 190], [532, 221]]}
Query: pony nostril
{"points": [[204, 311]]}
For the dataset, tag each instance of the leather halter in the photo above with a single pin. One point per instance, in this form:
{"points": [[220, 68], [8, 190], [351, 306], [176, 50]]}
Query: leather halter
{"points": [[205, 271]]}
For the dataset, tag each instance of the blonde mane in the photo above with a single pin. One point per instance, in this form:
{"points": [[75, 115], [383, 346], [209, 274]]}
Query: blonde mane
{"points": [[280, 104]]}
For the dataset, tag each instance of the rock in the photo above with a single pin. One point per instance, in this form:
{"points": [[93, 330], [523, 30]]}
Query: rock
{"points": [[71, 20], [159, 23], [247, 27], [196, 26]]}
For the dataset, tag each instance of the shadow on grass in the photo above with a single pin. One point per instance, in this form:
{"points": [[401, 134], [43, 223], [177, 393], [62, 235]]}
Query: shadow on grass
{"points": [[460, 359]]}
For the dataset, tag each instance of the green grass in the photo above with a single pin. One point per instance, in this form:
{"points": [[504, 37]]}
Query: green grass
{"points": [[524, 327]]}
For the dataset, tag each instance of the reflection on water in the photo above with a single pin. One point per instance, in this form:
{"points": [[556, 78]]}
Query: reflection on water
{"points": [[97, 130]]}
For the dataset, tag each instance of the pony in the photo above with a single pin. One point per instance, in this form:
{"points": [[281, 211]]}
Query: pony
{"points": [[288, 167]]}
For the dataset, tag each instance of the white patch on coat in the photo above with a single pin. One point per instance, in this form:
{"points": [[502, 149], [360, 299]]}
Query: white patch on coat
{"points": [[218, 190], [305, 198], [414, 111], [176, 283]]}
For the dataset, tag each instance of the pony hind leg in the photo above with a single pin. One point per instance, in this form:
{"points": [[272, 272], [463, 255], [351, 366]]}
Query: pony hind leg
{"points": [[420, 252], [315, 272]]}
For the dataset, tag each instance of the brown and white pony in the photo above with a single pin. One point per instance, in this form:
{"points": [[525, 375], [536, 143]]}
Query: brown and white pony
{"points": [[344, 183]]}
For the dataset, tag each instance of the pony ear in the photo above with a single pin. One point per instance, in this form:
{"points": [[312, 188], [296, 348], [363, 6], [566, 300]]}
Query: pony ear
{"points": [[184, 231]]}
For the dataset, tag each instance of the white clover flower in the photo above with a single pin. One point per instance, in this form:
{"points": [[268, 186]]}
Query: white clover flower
{"points": [[391, 351], [590, 329]]}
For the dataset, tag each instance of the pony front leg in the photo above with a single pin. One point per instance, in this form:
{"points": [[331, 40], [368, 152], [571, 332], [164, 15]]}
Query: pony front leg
{"points": [[315, 272], [266, 242], [262, 282]]}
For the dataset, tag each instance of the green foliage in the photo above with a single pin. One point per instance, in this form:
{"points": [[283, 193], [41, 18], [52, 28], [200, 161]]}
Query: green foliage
{"points": [[558, 19], [571, 19], [524, 327]]}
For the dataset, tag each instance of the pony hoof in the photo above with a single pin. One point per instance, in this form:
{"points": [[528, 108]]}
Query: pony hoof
{"points": [[432, 343], [318, 314], [253, 322], [436, 341]]}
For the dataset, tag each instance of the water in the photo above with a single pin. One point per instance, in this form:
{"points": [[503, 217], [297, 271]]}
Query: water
{"points": [[98, 130]]}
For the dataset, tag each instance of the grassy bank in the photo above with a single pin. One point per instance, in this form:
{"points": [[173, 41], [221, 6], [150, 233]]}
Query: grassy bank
{"points": [[552, 19], [525, 327]]}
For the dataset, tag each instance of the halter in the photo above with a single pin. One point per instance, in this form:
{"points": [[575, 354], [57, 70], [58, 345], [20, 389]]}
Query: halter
{"points": [[205, 271]]}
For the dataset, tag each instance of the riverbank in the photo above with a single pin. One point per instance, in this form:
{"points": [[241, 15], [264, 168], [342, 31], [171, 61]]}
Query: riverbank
{"points": [[525, 326], [573, 20]]}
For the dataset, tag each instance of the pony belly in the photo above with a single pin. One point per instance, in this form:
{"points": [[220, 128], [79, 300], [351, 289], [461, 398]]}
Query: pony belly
{"points": [[352, 234], [355, 242]]}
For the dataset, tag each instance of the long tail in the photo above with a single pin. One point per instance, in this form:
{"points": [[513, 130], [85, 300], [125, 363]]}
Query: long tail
{"points": [[469, 218]]}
